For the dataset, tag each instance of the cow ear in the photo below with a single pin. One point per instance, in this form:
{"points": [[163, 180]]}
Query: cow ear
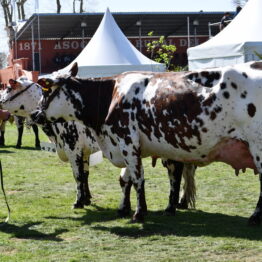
{"points": [[74, 69], [13, 83], [45, 83]]}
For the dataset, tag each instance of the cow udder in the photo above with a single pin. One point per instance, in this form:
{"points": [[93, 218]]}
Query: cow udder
{"points": [[233, 152]]}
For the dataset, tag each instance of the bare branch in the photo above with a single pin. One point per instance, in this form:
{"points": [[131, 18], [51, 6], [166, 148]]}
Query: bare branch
{"points": [[58, 6]]}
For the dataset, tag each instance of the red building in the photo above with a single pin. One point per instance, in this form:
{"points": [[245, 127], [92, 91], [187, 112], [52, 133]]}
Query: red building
{"points": [[51, 41]]}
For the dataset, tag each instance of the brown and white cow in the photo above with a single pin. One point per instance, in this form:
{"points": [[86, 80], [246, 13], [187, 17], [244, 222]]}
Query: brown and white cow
{"points": [[196, 117], [74, 143]]}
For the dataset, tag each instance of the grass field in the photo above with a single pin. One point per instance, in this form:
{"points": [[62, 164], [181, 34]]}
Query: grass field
{"points": [[43, 227]]}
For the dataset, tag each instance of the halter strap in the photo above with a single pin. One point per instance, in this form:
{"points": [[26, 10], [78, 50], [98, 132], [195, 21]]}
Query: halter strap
{"points": [[50, 98], [17, 94]]}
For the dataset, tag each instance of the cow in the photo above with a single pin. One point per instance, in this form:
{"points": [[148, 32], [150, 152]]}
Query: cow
{"points": [[196, 117], [75, 142], [19, 121]]}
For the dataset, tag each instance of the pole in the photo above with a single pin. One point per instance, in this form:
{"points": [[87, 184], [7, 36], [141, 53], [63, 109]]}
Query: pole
{"points": [[140, 40], [209, 30], [33, 47], [39, 43], [188, 32]]}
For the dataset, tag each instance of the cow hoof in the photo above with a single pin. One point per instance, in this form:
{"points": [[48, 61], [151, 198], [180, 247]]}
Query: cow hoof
{"points": [[182, 205], [122, 213], [18, 146], [138, 218], [170, 211], [78, 205], [254, 220], [37, 146], [87, 202]]}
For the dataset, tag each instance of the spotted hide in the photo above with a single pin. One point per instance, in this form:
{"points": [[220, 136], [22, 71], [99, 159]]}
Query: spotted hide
{"points": [[196, 117], [75, 143]]}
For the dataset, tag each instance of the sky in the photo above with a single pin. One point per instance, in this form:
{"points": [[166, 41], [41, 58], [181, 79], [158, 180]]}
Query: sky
{"points": [[49, 6]]}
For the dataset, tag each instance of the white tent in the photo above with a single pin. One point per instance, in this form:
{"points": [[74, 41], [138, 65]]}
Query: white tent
{"points": [[237, 43], [109, 52]]}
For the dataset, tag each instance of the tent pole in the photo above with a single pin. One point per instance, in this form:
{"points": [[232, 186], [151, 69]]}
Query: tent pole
{"points": [[188, 32], [39, 43], [209, 30], [33, 47]]}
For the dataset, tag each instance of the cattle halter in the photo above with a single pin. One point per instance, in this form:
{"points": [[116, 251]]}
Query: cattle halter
{"points": [[17, 94], [49, 99]]}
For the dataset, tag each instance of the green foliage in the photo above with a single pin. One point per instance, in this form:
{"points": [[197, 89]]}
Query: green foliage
{"points": [[43, 227], [160, 51], [258, 55]]}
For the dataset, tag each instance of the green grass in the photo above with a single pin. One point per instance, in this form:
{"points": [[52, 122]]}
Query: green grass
{"points": [[43, 227]]}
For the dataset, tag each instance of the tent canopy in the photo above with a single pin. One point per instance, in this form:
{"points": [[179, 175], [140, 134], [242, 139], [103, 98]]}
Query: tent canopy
{"points": [[237, 43], [109, 52]]}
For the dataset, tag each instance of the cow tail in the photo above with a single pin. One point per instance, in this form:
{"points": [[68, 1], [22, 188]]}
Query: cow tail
{"points": [[189, 187]]}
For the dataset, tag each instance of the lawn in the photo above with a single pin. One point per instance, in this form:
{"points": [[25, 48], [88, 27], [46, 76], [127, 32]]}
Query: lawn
{"points": [[43, 227]]}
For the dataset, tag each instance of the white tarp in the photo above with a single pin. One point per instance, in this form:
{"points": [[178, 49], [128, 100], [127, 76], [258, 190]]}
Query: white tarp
{"points": [[109, 52], [234, 44]]}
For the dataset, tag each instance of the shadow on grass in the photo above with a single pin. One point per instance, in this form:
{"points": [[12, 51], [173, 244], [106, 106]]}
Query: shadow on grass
{"points": [[87, 216], [22, 148], [189, 223], [24, 232], [4, 151], [185, 223]]}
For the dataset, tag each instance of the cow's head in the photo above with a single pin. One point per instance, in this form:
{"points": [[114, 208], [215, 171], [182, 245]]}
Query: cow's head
{"points": [[57, 96], [20, 97]]}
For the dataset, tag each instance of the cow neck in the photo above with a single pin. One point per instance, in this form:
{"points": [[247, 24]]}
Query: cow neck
{"points": [[17, 94], [97, 96]]}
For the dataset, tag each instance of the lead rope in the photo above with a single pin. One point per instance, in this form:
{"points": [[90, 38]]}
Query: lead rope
{"points": [[2, 186]]}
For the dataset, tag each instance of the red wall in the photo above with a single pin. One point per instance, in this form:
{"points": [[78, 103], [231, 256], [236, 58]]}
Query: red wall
{"points": [[55, 54]]}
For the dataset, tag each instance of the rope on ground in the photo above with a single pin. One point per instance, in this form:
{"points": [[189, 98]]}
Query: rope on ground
{"points": [[2, 187]]}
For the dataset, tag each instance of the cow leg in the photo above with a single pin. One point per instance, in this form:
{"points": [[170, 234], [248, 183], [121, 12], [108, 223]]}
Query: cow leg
{"points": [[2, 138], [2, 133], [86, 191], [126, 184], [20, 134], [81, 177], [256, 217], [37, 141], [132, 157], [189, 189], [20, 128], [175, 170]]}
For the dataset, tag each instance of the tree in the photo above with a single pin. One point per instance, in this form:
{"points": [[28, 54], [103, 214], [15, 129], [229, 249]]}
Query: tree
{"points": [[58, 10], [160, 51], [20, 9], [3, 58], [239, 2], [8, 11], [81, 4]]}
